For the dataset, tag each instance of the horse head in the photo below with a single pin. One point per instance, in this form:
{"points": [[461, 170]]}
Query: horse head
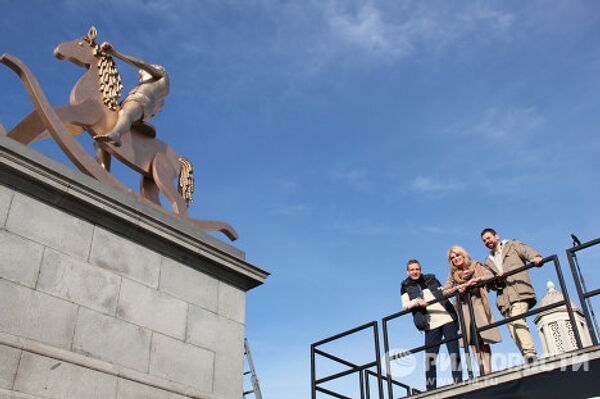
{"points": [[102, 75], [81, 52]]}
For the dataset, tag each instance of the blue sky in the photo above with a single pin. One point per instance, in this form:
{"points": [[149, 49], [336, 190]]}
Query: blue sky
{"points": [[341, 138]]}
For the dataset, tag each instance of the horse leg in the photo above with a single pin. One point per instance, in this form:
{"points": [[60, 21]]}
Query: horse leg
{"points": [[149, 190], [164, 175], [31, 128]]}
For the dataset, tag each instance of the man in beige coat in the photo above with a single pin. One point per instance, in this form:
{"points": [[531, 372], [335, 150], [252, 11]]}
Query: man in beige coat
{"points": [[515, 294]]}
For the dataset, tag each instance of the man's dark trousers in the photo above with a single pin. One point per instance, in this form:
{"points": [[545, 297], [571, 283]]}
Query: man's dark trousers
{"points": [[448, 330]]}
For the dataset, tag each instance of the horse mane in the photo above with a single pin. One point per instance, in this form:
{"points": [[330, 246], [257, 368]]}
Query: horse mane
{"points": [[110, 85], [186, 179]]}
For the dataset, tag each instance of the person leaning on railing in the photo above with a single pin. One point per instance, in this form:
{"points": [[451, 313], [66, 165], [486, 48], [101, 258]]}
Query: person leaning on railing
{"points": [[437, 320], [465, 272], [514, 294]]}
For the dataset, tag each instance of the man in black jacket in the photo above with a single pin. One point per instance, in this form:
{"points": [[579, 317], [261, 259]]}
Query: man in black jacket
{"points": [[437, 320]]}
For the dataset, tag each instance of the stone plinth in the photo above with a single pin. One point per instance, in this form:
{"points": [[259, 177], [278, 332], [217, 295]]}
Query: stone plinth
{"points": [[102, 296]]}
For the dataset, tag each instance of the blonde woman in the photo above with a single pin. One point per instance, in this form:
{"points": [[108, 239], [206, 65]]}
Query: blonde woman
{"points": [[465, 272]]}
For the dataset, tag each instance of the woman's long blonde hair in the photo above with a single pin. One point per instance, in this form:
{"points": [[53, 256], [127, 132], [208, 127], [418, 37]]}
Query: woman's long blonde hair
{"points": [[457, 249]]}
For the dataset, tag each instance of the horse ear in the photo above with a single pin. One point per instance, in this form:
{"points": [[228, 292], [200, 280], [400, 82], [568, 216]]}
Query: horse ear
{"points": [[92, 34]]}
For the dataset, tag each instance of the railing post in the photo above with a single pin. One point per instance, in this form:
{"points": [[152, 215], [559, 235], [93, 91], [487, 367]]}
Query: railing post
{"points": [[464, 337], [582, 299], [361, 384], [475, 332], [565, 293], [367, 385], [388, 364], [378, 360], [313, 379]]}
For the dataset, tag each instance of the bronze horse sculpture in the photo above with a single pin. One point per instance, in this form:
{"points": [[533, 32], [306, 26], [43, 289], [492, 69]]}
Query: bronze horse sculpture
{"points": [[93, 107]]}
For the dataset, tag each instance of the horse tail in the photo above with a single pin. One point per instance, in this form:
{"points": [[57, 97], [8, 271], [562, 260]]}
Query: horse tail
{"points": [[186, 179]]}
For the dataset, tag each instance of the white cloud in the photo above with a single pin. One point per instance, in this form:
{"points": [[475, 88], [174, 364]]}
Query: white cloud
{"points": [[287, 186], [357, 179], [292, 210], [317, 33], [358, 227], [394, 31], [429, 185], [233, 44], [499, 123], [434, 229], [368, 31]]}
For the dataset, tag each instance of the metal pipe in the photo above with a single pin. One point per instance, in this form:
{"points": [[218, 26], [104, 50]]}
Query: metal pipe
{"points": [[586, 306], [592, 293], [565, 293], [424, 347], [331, 393], [475, 332], [367, 386], [369, 372], [388, 364], [522, 315], [361, 384], [378, 361], [464, 338], [313, 383], [343, 334], [585, 245], [344, 373], [336, 359]]}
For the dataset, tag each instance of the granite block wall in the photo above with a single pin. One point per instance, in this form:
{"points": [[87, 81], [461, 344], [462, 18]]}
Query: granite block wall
{"points": [[88, 313]]}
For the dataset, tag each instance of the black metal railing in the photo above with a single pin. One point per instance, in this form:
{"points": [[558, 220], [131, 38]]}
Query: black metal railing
{"points": [[566, 302], [364, 371], [409, 390], [582, 291], [386, 343], [476, 330]]}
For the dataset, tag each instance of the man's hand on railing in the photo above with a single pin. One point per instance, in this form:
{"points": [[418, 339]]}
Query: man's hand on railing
{"points": [[537, 260], [421, 302]]}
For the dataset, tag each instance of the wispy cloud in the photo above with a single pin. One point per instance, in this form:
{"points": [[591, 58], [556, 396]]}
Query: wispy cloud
{"points": [[222, 48], [434, 186], [357, 179], [287, 186], [308, 37], [394, 31], [366, 29], [433, 229], [292, 210], [358, 227], [500, 123]]}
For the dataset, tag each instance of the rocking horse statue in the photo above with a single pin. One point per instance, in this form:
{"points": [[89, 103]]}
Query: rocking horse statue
{"points": [[119, 130]]}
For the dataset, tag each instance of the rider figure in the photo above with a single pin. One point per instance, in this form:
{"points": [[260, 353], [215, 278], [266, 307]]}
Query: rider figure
{"points": [[143, 102]]}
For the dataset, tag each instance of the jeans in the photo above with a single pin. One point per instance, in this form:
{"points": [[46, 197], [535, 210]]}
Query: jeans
{"points": [[448, 330]]}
